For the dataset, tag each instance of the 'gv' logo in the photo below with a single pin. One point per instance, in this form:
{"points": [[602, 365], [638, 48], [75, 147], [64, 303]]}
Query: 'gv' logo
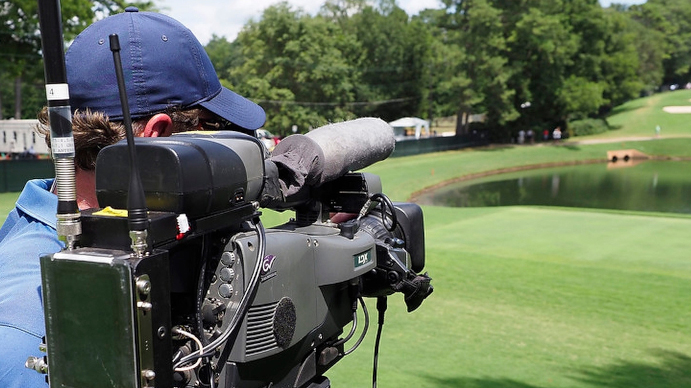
{"points": [[267, 263]]}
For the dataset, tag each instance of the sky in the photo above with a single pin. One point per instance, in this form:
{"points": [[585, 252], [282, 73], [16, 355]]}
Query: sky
{"points": [[226, 18]]}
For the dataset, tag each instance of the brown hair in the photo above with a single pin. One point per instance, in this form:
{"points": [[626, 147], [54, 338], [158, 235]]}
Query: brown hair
{"points": [[93, 131]]}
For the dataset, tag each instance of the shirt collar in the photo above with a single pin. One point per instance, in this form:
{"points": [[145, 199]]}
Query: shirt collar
{"points": [[37, 201]]}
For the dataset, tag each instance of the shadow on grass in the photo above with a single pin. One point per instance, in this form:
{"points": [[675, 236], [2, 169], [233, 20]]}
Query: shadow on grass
{"points": [[495, 147], [461, 382], [570, 147], [673, 370], [625, 108]]}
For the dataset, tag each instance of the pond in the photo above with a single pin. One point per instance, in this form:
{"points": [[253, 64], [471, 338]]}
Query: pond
{"points": [[655, 186]]}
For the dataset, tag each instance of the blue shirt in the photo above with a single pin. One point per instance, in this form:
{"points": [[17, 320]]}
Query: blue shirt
{"points": [[28, 233]]}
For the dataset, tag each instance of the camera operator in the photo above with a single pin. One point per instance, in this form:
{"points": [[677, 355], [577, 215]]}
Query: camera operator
{"points": [[171, 86]]}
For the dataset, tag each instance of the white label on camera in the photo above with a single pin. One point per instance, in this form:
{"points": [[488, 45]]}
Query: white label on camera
{"points": [[62, 145], [57, 92]]}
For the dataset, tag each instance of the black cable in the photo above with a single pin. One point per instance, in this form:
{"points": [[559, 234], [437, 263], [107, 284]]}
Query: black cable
{"points": [[381, 308], [386, 202], [353, 293], [364, 331], [350, 335], [201, 287]]}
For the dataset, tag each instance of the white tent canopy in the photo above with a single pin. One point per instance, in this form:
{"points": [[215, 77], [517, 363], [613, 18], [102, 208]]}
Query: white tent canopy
{"points": [[412, 122]]}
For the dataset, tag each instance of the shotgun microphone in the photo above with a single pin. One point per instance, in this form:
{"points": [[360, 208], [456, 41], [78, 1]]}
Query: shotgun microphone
{"points": [[328, 152]]}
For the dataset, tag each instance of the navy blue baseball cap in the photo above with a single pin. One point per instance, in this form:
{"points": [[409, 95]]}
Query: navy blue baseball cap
{"points": [[163, 63]]}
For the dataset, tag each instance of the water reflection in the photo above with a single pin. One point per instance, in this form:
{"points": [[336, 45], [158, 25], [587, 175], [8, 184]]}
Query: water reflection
{"points": [[660, 186]]}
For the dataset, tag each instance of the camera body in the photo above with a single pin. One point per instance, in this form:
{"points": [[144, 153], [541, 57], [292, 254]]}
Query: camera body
{"points": [[217, 300]]}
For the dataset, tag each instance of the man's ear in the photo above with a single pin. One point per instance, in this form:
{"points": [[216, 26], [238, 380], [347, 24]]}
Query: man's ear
{"points": [[160, 125]]}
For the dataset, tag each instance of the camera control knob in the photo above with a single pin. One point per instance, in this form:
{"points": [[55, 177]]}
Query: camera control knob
{"points": [[227, 274], [228, 258], [225, 290]]}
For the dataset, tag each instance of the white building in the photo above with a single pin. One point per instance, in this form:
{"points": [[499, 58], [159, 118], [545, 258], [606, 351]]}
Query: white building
{"points": [[18, 136]]}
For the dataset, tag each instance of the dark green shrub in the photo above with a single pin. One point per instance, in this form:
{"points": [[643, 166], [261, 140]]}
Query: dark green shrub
{"points": [[587, 127]]}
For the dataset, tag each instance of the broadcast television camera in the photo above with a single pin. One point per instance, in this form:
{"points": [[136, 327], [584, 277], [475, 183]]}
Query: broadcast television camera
{"points": [[216, 300]]}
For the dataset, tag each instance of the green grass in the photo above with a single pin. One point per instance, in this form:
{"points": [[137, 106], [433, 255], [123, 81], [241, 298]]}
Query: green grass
{"points": [[7, 201], [542, 297], [639, 117]]}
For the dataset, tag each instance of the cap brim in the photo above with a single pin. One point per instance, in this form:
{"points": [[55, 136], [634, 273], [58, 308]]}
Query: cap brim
{"points": [[236, 109]]}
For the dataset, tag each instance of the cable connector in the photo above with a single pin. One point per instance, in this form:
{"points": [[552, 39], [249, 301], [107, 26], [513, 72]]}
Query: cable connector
{"points": [[364, 210], [139, 244], [39, 364]]}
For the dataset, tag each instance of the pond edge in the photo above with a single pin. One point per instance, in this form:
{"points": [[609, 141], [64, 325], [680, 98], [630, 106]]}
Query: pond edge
{"points": [[415, 195]]}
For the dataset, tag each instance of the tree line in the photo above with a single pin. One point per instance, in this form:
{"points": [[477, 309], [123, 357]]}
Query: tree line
{"points": [[524, 64]]}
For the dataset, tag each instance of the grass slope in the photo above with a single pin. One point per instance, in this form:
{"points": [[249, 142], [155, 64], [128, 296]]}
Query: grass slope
{"points": [[640, 117]]}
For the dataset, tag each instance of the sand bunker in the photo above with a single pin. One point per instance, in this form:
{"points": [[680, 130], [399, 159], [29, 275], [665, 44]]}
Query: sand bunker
{"points": [[677, 109]]}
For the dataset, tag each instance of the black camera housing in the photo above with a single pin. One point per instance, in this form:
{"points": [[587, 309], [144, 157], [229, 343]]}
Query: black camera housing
{"points": [[309, 272]]}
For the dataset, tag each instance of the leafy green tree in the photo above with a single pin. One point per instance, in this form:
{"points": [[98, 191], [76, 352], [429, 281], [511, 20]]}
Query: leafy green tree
{"points": [[480, 35], [294, 66], [308, 71], [541, 48], [341, 10], [580, 98], [446, 85], [392, 60], [605, 60], [621, 73], [672, 20], [224, 55], [19, 46], [649, 45], [571, 59]]}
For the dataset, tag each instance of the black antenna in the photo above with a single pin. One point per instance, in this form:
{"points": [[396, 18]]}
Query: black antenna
{"points": [[137, 218], [60, 116]]}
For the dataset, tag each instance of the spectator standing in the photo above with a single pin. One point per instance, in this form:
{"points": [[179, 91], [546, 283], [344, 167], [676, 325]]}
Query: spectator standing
{"points": [[556, 135]]}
